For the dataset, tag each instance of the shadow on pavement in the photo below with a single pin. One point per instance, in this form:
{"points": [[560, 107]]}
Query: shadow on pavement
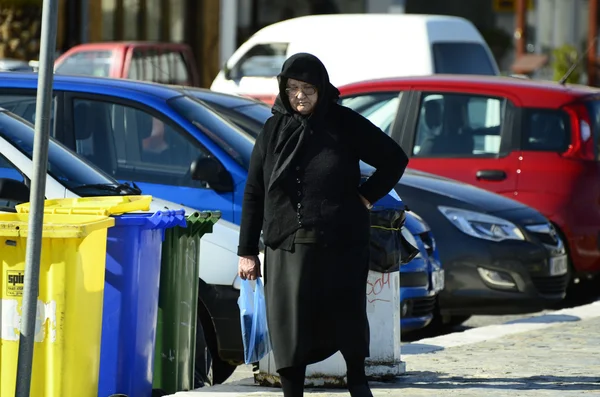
{"points": [[545, 319], [437, 381], [419, 348], [428, 332]]}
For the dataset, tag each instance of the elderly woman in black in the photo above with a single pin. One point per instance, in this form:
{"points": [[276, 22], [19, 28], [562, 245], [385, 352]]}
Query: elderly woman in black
{"points": [[304, 192]]}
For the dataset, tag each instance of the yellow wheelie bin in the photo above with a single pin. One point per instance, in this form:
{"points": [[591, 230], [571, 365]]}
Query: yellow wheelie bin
{"points": [[66, 355]]}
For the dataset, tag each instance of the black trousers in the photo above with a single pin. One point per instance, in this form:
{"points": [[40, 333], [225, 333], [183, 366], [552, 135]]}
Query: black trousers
{"points": [[292, 379]]}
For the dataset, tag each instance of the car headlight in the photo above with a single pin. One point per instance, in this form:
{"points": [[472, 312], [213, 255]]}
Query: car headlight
{"points": [[483, 226], [411, 240]]}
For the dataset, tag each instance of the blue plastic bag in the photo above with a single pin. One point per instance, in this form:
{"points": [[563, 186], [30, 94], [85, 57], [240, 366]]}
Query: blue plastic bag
{"points": [[253, 316]]}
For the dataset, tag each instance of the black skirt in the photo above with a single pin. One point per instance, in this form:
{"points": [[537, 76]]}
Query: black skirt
{"points": [[316, 302]]}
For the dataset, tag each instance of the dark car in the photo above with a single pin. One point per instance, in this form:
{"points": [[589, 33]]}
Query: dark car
{"points": [[247, 113], [500, 256]]}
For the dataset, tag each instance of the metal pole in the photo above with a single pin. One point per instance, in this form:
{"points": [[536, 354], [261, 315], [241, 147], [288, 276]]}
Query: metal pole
{"points": [[38, 187], [521, 26], [592, 34]]}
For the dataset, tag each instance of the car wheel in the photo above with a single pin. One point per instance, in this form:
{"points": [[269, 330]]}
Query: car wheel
{"points": [[222, 371], [209, 368], [203, 369], [455, 321]]}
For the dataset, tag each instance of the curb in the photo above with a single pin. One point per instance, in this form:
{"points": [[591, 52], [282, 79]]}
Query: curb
{"points": [[489, 332]]}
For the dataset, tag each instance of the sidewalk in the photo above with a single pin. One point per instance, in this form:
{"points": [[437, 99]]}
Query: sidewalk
{"points": [[555, 355]]}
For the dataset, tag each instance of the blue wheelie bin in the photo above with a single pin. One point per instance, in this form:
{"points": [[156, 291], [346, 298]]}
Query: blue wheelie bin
{"points": [[131, 301]]}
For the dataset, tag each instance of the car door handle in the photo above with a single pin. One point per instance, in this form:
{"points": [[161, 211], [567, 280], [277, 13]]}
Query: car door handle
{"points": [[491, 175]]}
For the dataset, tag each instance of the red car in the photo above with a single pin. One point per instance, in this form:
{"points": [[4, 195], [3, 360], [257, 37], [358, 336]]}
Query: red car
{"points": [[535, 142], [166, 63]]}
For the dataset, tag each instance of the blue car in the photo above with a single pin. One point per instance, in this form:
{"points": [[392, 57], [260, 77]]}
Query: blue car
{"points": [[174, 146]]}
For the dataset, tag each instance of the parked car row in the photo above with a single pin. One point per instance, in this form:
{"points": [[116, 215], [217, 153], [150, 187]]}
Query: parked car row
{"points": [[514, 262], [121, 137], [512, 227]]}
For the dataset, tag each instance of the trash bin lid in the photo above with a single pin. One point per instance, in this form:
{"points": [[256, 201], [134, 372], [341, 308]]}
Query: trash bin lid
{"points": [[54, 225], [153, 220], [109, 205], [201, 222]]}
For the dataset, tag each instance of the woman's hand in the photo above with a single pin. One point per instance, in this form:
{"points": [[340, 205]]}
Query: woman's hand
{"points": [[365, 201], [249, 267]]}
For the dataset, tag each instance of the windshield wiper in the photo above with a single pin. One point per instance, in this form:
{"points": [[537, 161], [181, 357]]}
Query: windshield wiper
{"points": [[121, 188]]}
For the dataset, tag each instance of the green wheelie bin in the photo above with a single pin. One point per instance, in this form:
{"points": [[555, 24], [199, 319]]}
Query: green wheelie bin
{"points": [[175, 349]]}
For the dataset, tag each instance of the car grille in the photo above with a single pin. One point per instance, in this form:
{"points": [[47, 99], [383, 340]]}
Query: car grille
{"points": [[420, 307], [414, 279], [546, 233], [551, 285]]}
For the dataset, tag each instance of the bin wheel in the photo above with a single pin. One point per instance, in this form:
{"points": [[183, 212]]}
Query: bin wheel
{"points": [[159, 393]]}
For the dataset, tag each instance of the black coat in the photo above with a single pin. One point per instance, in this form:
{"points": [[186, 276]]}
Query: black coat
{"points": [[330, 177], [304, 174]]}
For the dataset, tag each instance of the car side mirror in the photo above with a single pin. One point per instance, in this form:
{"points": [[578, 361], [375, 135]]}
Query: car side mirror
{"points": [[211, 171], [12, 192]]}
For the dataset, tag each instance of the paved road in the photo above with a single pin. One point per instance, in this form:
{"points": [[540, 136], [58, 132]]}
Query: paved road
{"points": [[557, 355]]}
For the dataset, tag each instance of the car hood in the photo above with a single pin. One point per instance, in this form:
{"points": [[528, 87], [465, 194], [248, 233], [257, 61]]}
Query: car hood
{"points": [[475, 197]]}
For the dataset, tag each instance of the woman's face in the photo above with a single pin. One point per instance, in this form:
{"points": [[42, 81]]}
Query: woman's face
{"points": [[303, 96]]}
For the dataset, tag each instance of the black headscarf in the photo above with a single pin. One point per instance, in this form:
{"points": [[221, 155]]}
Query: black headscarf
{"points": [[294, 127]]}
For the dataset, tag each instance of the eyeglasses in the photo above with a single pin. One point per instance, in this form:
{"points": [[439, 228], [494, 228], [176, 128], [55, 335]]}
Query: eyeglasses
{"points": [[305, 90]]}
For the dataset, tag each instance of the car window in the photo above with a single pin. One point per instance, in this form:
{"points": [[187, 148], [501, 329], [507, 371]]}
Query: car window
{"points": [[250, 118], [9, 171], [88, 63], [180, 74], [63, 165], [458, 125], [262, 60], [24, 107], [379, 108], [462, 58], [131, 144], [136, 67], [545, 130], [233, 140]]}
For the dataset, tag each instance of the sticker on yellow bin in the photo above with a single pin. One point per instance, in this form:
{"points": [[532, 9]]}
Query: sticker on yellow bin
{"points": [[110, 205], [66, 356]]}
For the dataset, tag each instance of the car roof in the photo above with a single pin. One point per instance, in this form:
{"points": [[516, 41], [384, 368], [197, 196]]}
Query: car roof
{"points": [[297, 27], [528, 90], [83, 83], [125, 43]]}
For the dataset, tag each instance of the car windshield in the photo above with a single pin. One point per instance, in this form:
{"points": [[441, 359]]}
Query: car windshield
{"points": [[63, 165], [237, 143], [594, 110], [88, 63]]}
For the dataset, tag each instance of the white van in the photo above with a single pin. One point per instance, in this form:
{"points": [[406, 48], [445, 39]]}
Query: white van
{"points": [[357, 47]]}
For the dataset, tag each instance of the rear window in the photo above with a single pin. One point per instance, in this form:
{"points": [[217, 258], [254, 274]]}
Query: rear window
{"points": [[545, 130], [462, 58], [87, 63]]}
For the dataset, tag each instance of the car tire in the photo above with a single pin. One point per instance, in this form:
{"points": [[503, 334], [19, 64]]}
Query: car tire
{"points": [[222, 371], [209, 368], [203, 368], [455, 321]]}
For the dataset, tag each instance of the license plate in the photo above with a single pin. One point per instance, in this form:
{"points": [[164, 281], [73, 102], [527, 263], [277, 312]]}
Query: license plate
{"points": [[437, 280], [558, 265]]}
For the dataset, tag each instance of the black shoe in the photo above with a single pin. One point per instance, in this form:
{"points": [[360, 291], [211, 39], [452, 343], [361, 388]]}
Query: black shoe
{"points": [[360, 391]]}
